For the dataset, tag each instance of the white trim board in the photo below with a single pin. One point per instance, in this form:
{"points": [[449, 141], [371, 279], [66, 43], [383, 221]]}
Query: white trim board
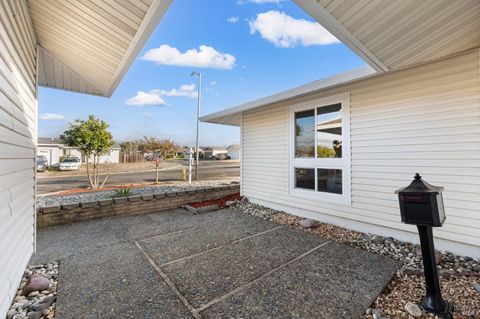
{"points": [[322, 16], [345, 166], [307, 89]]}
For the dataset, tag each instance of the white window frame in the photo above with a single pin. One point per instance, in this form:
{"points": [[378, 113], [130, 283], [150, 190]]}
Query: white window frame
{"points": [[343, 163]]}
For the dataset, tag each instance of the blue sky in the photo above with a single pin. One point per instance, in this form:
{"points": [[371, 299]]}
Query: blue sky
{"points": [[245, 49]]}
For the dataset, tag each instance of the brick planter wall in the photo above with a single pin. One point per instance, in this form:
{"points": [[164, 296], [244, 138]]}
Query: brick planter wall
{"points": [[132, 205]]}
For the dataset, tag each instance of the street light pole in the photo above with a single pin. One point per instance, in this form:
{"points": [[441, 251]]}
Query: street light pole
{"points": [[194, 73]]}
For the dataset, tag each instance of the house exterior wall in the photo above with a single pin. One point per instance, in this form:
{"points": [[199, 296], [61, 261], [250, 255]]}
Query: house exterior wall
{"points": [[424, 119], [112, 157], [52, 153], [18, 114]]}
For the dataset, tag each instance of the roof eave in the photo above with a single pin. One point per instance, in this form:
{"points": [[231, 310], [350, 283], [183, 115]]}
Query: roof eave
{"points": [[157, 10], [232, 116]]}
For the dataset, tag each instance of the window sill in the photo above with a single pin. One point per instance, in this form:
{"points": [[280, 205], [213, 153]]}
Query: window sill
{"points": [[342, 199]]}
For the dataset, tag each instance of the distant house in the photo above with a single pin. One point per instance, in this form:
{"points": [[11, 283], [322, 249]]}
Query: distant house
{"points": [[233, 151], [54, 149], [210, 152]]}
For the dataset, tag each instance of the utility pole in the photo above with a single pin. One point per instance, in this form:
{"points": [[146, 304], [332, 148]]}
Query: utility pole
{"points": [[195, 73]]}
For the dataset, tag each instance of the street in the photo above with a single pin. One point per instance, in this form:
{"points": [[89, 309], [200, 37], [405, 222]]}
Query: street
{"points": [[208, 170]]}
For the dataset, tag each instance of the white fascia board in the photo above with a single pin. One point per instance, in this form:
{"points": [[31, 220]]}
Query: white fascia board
{"points": [[227, 116], [157, 10], [322, 16]]}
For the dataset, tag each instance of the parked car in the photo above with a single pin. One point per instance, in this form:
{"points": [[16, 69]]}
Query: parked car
{"points": [[42, 163], [222, 157], [69, 164], [150, 158]]}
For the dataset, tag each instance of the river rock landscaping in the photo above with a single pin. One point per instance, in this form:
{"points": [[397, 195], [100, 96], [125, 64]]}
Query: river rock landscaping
{"points": [[459, 275], [37, 293]]}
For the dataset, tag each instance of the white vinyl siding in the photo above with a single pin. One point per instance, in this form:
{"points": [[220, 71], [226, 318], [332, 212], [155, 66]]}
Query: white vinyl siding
{"points": [[424, 119], [18, 113]]}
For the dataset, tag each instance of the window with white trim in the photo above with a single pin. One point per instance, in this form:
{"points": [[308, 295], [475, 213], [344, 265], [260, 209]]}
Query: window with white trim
{"points": [[320, 149]]}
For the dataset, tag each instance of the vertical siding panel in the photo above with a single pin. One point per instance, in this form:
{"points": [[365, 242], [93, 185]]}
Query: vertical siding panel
{"points": [[18, 107], [425, 118]]}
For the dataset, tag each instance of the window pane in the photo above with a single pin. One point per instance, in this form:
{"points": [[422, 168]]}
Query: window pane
{"points": [[329, 131], [305, 178], [329, 180], [305, 134]]}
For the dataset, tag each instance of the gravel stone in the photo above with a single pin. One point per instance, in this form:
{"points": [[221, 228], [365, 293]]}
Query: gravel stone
{"points": [[34, 284], [477, 286], [413, 309], [37, 304], [35, 315], [308, 223]]}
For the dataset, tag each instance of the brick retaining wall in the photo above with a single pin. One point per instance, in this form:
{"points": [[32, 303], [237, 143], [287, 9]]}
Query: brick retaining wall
{"points": [[131, 205]]}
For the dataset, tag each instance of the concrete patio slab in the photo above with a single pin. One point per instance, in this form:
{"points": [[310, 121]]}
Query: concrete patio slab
{"points": [[173, 246], [114, 282], [334, 281], [212, 274], [55, 243], [176, 220], [214, 265], [58, 242]]}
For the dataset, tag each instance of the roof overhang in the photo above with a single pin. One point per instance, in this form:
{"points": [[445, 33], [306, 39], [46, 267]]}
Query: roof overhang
{"points": [[88, 46], [391, 35], [233, 115]]}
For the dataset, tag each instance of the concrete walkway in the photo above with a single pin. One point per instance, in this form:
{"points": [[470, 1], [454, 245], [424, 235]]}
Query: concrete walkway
{"points": [[215, 265]]}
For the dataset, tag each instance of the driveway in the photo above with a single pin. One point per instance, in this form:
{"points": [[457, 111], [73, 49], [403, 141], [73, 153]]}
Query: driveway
{"points": [[215, 265]]}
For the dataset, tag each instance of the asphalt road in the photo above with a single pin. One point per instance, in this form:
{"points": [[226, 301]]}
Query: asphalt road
{"points": [[208, 170]]}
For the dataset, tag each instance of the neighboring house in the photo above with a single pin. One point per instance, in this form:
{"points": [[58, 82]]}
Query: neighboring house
{"points": [[70, 45], [54, 150], [211, 151], [336, 149], [113, 156], [233, 151]]}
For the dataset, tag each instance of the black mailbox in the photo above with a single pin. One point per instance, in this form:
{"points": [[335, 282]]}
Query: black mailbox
{"points": [[421, 203]]}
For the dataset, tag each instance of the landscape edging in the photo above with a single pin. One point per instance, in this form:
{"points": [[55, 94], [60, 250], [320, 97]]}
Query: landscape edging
{"points": [[132, 205]]}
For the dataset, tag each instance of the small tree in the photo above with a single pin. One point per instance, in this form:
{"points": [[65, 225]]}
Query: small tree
{"points": [[128, 150], [93, 140], [159, 149]]}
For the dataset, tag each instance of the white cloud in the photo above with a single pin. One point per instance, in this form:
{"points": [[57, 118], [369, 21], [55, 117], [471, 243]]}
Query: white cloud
{"points": [[187, 90], [287, 32], [212, 83], [145, 98], [233, 20], [155, 97], [51, 117], [204, 57]]}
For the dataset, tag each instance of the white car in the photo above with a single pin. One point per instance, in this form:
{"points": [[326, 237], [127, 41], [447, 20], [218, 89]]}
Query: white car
{"points": [[69, 164]]}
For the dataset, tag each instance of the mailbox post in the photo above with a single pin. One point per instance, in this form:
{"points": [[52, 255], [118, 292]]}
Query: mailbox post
{"points": [[421, 204]]}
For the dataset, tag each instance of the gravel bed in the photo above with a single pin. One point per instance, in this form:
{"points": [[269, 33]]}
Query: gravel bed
{"points": [[55, 200], [22, 306], [458, 274], [411, 288]]}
